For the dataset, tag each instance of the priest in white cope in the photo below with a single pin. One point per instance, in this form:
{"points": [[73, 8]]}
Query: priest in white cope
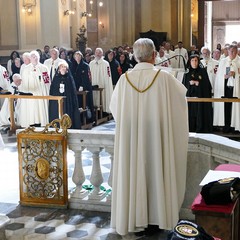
{"points": [[227, 115], [101, 76], [52, 62], [150, 153], [35, 80], [5, 112], [210, 64]]}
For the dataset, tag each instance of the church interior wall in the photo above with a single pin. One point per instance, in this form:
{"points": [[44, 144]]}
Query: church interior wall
{"points": [[122, 22], [224, 13], [8, 25]]}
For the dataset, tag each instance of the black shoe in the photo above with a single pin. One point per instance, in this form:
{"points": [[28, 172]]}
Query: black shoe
{"points": [[152, 230], [226, 129], [140, 234]]}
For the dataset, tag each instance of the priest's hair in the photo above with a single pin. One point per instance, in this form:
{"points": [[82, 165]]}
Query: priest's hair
{"points": [[34, 52], [143, 49], [26, 54]]}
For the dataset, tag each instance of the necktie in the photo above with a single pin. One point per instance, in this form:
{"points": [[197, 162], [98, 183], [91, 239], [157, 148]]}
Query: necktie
{"points": [[179, 58], [52, 72]]}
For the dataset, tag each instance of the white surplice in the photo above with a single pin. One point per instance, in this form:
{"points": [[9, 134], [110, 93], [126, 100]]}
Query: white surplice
{"points": [[211, 65], [150, 153], [35, 80], [101, 76], [218, 110], [181, 61]]}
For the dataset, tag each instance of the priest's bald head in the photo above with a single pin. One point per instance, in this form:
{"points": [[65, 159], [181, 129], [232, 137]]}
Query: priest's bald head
{"points": [[144, 50]]}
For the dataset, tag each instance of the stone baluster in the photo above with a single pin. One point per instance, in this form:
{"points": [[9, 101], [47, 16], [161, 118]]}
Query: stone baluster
{"points": [[96, 177], [111, 153], [78, 175]]}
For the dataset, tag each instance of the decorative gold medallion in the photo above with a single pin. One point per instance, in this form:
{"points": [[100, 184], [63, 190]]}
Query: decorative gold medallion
{"points": [[226, 180], [42, 168], [187, 230]]}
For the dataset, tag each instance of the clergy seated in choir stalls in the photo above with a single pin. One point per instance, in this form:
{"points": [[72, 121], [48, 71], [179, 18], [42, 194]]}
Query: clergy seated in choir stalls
{"points": [[101, 77], [82, 78], [143, 200], [226, 115], [63, 85], [200, 115], [52, 62], [35, 80], [4, 112]]}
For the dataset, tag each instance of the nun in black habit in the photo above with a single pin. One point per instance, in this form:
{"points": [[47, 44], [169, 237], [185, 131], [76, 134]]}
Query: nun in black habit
{"points": [[200, 114], [63, 85]]}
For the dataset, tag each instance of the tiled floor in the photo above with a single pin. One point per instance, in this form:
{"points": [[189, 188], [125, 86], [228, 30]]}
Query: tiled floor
{"points": [[28, 223]]}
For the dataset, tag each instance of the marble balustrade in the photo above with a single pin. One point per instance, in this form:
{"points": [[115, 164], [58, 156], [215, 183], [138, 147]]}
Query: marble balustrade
{"points": [[205, 152]]}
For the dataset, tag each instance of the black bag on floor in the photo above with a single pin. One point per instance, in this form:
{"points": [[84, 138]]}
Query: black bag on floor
{"points": [[188, 230]]}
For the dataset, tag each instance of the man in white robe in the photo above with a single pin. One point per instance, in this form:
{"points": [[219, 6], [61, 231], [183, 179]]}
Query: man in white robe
{"points": [[170, 54], [161, 60], [35, 80], [227, 85], [26, 60], [150, 153], [5, 113], [210, 64], [52, 63], [181, 55], [4, 82], [101, 76], [235, 119]]}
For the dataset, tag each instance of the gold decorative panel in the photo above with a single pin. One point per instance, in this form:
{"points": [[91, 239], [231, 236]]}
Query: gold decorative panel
{"points": [[43, 164]]}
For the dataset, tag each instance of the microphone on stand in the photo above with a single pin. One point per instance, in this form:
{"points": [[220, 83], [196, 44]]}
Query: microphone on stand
{"points": [[15, 90], [184, 62]]}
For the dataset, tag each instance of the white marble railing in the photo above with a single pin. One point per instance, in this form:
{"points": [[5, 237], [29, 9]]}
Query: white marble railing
{"points": [[205, 152], [95, 142]]}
